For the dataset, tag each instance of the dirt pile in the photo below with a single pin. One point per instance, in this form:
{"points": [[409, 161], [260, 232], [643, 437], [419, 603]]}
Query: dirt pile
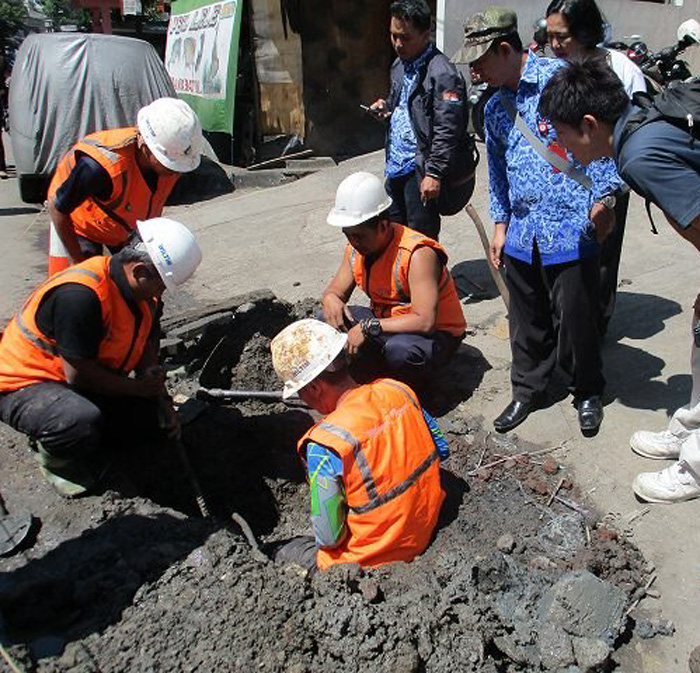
{"points": [[521, 576]]}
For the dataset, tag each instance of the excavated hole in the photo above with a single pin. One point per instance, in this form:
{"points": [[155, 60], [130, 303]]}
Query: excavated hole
{"points": [[479, 597]]}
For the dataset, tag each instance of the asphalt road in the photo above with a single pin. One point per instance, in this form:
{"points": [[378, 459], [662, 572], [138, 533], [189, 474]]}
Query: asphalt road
{"points": [[277, 238]]}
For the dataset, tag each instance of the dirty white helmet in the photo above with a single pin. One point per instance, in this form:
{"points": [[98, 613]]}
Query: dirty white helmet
{"points": [[360, 197], [302, 350], [173, 249], [173, 133], [690, 28]]}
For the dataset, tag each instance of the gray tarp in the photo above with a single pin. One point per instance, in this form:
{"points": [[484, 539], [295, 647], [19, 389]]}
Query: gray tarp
{"points": [[65, 86]]}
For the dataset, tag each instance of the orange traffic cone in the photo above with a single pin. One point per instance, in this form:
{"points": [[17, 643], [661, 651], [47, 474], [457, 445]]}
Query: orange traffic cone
{"points": [[58, 255]]}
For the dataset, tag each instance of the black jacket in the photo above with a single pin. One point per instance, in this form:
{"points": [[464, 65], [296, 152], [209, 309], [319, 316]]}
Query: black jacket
{"points": [[439, 112]]}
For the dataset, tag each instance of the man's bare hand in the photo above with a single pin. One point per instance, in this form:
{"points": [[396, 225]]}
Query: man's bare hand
{"points": [[603, 220], [429, 188], [498, 242], [335, 311], [355, 341]]}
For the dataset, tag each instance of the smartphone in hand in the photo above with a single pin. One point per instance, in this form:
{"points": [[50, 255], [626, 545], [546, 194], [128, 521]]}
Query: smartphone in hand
{"points": [[377, 114]]}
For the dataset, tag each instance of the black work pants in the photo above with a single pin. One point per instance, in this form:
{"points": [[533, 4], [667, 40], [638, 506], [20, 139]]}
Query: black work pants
{"points": [[69, 424], [411, 358], [553, 319], [610, 253], [408, 209]]}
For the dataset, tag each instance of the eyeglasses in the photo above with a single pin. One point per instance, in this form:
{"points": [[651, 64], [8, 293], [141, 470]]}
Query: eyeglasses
{"points": [[559, 37]]}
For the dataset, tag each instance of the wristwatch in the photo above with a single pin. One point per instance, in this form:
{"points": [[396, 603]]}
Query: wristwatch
{"points": [[609, 201], [371, 327]]}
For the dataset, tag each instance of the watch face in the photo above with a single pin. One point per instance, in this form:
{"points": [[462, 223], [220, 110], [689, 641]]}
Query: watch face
{"points": [[375, 329]]}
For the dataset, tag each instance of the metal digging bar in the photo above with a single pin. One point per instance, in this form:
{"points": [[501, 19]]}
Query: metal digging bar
{"points": [[223, 395]]}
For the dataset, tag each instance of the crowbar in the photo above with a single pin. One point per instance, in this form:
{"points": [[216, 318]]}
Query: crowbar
{"points": [[495, 274]]}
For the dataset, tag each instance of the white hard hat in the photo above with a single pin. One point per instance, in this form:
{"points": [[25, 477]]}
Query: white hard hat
{"points": [[302, 350], [173, 133], [689, 28], [173, 249], [360, 197]]}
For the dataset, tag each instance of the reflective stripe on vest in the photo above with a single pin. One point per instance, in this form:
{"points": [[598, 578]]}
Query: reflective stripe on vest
{"points": [[111, 156], [398, 490], [386, 281], [403, 296], [390, 474], [28, 356], [27, 333], [376, 500], [359, 456], [110, 222]]}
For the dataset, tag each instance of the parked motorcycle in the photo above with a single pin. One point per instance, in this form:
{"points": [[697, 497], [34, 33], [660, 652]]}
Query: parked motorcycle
{"points": [[665, 66]]}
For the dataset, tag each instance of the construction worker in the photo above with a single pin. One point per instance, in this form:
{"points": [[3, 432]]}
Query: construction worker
{"points": [[111, 179], [415, 321], [66, 355], [372, 461]]}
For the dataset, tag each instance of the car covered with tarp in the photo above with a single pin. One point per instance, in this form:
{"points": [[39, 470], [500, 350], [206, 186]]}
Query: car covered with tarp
{"points": [[67, 85]]}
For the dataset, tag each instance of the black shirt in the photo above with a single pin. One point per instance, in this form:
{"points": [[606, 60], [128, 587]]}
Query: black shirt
{"points": [[86, 179], [71, 315]]}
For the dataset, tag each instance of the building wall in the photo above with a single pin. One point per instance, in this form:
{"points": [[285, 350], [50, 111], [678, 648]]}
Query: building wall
{"points": [[346, 56], [656, 23]]}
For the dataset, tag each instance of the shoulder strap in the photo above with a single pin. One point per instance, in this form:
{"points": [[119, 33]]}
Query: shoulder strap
{"points": [[550, 157]]}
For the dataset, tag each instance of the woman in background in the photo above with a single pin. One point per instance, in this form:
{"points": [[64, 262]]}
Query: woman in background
{"points": [[575, 28]]}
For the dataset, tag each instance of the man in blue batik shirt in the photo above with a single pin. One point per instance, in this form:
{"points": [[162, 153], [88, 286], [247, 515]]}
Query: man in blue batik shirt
{"points": [[547, 228], [426, 109]]}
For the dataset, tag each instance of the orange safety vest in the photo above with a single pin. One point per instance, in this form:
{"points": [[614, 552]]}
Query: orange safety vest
{"points": [[28, 356], [386, 281], [391, 474], [110, 222]]}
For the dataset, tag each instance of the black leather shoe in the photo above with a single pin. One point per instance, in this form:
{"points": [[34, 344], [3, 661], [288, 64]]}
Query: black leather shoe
{"points": [[512, 416], [590, 414]]}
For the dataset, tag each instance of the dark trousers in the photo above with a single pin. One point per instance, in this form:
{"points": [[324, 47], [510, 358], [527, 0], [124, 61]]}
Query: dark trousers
{"points": [[70, 425], [407, 207], [411, 358], [553, 319], [610, 253]]}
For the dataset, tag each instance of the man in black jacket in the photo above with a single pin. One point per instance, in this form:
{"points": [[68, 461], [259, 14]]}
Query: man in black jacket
{"points": [[427, 113]]}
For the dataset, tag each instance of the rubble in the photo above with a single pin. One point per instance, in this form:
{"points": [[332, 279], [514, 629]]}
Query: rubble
{"points": [[122, 582]]}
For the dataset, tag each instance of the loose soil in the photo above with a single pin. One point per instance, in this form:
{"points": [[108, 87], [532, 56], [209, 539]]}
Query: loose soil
{"points": [[134, 580]]}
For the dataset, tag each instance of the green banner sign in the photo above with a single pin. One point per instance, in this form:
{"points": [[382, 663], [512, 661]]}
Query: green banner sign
{"points": [[201, 56]]}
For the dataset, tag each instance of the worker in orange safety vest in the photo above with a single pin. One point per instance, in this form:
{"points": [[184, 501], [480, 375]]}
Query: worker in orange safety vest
{"points": [[111, 179], [372, 461], [415, 320], [66, 356]]}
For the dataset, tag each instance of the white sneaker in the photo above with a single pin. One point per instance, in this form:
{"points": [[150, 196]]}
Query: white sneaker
{"points": [[656, 445], [674, 484]]}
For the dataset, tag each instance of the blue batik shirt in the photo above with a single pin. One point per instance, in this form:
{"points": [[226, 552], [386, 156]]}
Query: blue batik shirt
{"points": [[538, 204], [401, 153]]}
